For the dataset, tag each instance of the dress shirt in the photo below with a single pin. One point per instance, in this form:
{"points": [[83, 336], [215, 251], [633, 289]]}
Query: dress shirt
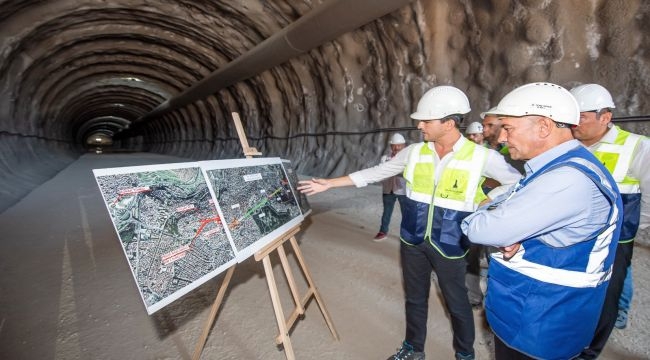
{"points": [[639, 169], [495, 167], [562, 206]]}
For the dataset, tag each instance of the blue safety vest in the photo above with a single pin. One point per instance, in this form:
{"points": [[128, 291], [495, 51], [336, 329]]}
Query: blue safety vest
{"points": [[433, 211], [546, 303]]}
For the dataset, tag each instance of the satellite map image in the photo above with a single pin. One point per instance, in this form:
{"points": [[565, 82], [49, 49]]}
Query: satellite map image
{"points": [[293, 180], [256, 200], [169, 228]]}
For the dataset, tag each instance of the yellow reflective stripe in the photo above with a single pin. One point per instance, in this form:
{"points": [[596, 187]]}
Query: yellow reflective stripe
{"points": [[443, 253], [459, 185], [617, 156], [410, 165]]}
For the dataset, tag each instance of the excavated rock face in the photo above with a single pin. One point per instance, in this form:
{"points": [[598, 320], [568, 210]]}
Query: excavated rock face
{"points": [[73, 72]]}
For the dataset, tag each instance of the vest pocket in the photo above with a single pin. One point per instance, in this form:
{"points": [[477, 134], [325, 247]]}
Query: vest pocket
{"points": [[450, 231]]}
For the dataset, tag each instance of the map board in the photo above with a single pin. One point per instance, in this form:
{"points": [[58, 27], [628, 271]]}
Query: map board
{"points": [[293, 181], [169, 228], [255, 199]]}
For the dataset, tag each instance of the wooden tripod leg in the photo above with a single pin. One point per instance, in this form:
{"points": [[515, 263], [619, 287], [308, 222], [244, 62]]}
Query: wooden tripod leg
{"points": [[277, 307], [290, 280], [313, 288], [213, 314]]}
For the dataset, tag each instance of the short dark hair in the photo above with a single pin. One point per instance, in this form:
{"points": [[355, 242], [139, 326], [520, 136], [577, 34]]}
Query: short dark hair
{"points": [[457, 118]]}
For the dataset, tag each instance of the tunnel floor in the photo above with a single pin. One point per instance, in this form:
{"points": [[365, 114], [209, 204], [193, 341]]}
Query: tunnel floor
{"points": [[66, 291]]}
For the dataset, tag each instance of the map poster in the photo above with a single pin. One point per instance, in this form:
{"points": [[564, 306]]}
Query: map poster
{"points": [[168, 226], [293, 180], [255, 199]]}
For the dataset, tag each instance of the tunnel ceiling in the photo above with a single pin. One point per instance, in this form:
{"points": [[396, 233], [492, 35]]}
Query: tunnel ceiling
{"points": [[74, 68]]}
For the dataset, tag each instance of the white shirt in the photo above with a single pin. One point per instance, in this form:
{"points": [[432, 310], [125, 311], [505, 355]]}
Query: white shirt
{"points": [[495, 167], [639, 169]]}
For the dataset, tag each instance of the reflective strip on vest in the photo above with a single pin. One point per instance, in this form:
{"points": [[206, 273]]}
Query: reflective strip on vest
{"points": [[617, 158], [458, 186], [575, 279], [593, 275]]}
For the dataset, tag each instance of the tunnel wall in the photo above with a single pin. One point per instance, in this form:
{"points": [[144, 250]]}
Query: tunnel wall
{"points": [[65, 64], [331, 110], [27, 162]]}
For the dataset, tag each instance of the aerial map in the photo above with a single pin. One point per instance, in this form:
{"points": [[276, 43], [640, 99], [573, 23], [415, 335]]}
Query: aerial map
{"points": [[256, 200], [293, 180], [169, 228]]}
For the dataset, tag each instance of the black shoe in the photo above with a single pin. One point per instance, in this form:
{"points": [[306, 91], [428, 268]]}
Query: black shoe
{"points": [[406, 352]]}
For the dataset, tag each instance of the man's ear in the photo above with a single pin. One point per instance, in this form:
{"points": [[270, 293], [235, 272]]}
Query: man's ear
{"points": [[605, 118], [546, 126]]}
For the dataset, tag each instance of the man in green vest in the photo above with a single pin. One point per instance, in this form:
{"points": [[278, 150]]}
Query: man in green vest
{"points": [[627, 157], [491, 130], [443, 185]]}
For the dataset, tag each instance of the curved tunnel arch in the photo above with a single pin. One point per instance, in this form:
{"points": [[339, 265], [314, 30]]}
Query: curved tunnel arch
{"points": [[65, 64]]}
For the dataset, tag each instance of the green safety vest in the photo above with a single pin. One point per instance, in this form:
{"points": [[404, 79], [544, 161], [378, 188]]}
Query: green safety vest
{"points": [[459, 187], [617, 158]]}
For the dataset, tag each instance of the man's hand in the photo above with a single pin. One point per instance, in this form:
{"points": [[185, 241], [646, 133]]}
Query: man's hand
{"points": [[313, 186], [509, 251]]}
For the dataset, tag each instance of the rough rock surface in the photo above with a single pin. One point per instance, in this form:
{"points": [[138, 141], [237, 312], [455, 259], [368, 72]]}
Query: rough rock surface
{"points": [[74, 70]]}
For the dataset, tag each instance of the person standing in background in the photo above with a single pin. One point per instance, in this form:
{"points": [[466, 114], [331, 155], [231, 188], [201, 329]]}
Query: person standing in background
{"points": [[474, 132], [627, 157], [491, 131], [393, 188]]}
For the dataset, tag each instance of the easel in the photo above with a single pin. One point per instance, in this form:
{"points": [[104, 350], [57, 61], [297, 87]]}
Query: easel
{"points": [[284, 325]]}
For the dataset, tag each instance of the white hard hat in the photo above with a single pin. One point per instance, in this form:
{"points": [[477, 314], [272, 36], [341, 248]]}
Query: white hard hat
{"points": [[592, 97], [474, 128], [440, 102], [543, 99], [489, 112], [397, 138]]}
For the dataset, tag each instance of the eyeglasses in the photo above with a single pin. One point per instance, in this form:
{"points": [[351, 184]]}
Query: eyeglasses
{"points": [[563, 125]]}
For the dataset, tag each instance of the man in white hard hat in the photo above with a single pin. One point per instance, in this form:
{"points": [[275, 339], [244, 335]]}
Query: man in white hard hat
{"points": [[491, 131], [474, 132], [393, 188], [443, 176], [557, 231], [627, 157]]}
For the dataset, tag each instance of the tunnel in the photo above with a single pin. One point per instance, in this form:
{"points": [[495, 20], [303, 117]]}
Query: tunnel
{"points": [[324, 83], [311, 80]]}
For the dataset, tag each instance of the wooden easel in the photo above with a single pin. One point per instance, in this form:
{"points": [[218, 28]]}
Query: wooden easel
{"points": [[284, 325]]}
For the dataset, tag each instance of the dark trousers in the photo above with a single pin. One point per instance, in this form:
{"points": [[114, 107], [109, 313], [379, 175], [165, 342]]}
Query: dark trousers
{"points": [[473, 277], [503, 352], [389, 205], [418, 261], [610, 307]]}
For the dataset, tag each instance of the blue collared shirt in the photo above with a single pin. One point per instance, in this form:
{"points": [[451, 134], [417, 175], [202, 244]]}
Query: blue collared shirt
{"points": [[562, 207]]}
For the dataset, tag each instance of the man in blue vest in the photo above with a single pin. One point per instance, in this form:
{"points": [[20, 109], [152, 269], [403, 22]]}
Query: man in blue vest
{"points": [[443, 185], [557, 231], [627, 157]]}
